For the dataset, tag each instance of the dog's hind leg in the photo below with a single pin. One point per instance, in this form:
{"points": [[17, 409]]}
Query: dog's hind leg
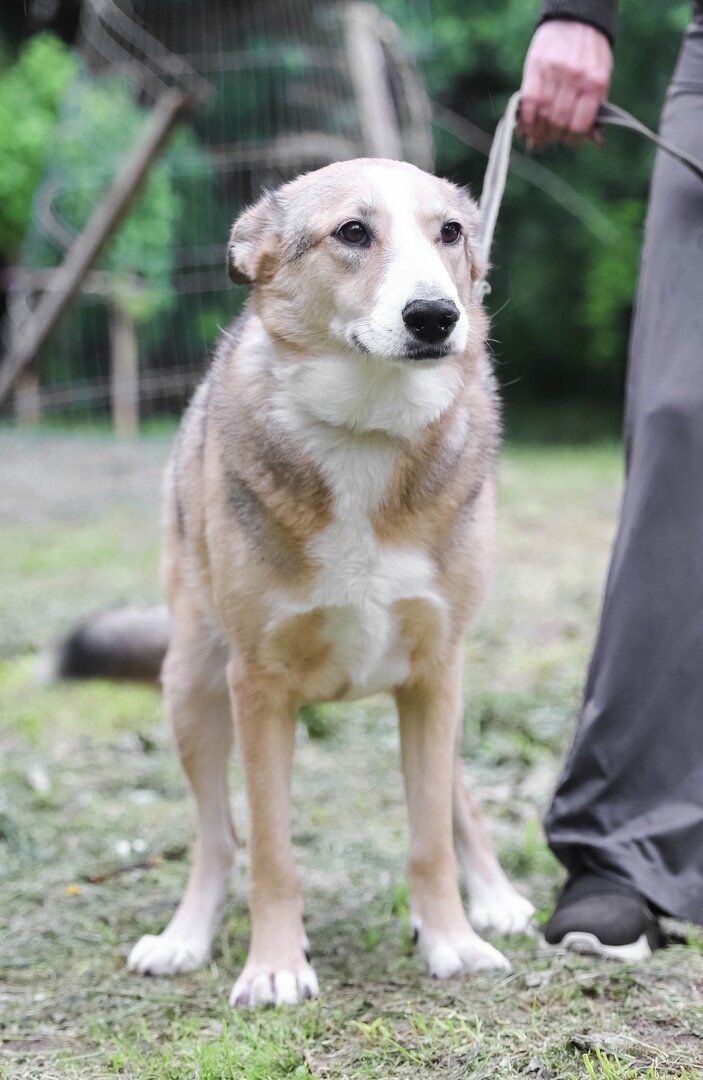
{"points": [[196, 695], [495, 906]]}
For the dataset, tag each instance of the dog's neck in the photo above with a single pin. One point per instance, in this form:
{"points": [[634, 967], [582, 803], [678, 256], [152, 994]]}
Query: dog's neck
{"points": [[355, 392], [364, 395]]}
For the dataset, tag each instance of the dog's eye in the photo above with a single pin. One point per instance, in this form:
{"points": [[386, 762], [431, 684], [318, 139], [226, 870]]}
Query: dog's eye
{"points": [[450, 232], [354, 233]]}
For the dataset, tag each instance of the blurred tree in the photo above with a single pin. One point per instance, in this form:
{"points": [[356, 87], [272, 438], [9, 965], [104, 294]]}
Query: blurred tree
{"points": [[31, 91], [101, 125]]}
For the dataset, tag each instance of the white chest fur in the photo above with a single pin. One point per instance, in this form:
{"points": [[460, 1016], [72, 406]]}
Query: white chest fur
{"points": [[360, 580]]}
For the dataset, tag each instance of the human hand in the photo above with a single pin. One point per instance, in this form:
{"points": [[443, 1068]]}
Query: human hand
{"points": [[565, 80]]}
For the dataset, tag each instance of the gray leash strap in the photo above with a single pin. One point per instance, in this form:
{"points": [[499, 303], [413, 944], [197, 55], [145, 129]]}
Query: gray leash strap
{"points": [[617, 117], [499, 159], [494, 181]]}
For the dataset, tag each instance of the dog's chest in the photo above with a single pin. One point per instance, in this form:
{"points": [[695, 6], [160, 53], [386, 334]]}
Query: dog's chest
{"points": [[358, 591], [356, 595]]}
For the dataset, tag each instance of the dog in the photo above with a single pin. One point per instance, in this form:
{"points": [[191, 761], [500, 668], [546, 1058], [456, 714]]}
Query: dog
{"points": [[329, 510]]}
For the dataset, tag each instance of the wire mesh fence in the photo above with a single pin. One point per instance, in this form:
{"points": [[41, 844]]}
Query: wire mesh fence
{"points": [[278, 87]]}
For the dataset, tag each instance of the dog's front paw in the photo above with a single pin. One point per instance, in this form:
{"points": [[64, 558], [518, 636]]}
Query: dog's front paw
{"points": [[262, 985], [504, 913], [163, 954], [458, 953]]}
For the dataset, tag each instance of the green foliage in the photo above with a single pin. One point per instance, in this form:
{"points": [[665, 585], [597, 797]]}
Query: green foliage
{"points": [[102, 125], [75, 162], [30, 93], [99, 126], [610, 284]]}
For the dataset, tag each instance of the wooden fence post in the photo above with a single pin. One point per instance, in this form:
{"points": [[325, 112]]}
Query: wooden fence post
{"points": [[27, 398], [124, 373]]}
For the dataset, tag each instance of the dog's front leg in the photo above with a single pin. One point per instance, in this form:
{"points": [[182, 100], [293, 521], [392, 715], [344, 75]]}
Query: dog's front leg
{"points": [[277, 971], [428, 708]]}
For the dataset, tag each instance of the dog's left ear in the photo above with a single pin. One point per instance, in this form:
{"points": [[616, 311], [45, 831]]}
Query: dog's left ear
{"points": [[253, 251]]}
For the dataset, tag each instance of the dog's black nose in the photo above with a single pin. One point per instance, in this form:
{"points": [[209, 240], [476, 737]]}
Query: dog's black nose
{"points": [[430, 320]]}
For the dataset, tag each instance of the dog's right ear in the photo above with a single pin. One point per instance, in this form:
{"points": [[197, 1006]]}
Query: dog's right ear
{"points": [[253, 253]]}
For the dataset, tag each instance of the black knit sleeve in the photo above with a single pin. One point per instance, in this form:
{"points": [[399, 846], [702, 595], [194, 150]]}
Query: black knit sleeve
{"points": [[598, 13]]}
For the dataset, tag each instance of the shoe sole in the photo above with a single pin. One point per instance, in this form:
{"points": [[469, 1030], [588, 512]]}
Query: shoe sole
{"points": [[580, 941]]}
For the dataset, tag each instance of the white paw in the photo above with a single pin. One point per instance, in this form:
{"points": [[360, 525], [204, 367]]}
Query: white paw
{"points": [[259, 985], [455, 954], [160, 954], [505, 913]]}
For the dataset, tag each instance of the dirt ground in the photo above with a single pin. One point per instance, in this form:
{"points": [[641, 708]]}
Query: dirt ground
{"points": [[96, 823]]}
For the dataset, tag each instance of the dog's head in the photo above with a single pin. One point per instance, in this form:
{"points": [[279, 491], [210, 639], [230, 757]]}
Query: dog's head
{"points": [[368, 256]]}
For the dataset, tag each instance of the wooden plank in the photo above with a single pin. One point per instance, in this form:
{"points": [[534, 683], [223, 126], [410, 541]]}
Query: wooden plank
{"points": [[98, 230], [367, 67]]}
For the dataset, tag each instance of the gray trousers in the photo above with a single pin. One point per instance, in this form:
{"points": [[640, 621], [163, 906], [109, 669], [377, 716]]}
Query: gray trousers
{"points": [[630, 802]]}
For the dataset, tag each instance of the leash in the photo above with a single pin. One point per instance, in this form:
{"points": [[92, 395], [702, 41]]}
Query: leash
{"points": [[499, 159]]}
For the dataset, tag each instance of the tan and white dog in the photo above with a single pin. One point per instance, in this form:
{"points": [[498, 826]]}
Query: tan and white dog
{"points": [[329, 526]]}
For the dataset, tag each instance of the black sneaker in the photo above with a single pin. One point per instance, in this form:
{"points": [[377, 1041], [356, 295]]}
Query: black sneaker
{"points": [[602, 917]]}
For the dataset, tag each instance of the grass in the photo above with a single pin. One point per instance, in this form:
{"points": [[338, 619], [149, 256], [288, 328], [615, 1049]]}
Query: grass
{"points": [[600, 1065], [96, 824]]}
